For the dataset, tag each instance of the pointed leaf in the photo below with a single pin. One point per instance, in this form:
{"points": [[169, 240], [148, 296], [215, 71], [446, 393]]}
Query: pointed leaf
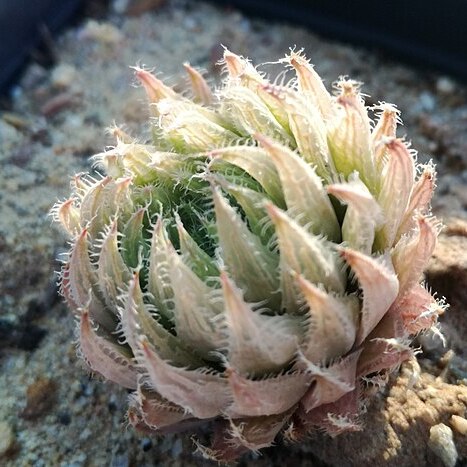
{"points": [[257, 343], [383, 355], [198, 308], [411, 254], [252, 266], [363, 215], [242, 71], [193, 255], [105, 357], [397, 183], [233, 438], [159, 285], [203, 394], [310, 83], [132, 242], [158, 412], [252, 204], [199, 86], [155, 89], [306, 198], [269, 396], [137, 320], [192, 128], [80, 274], [417, 308], [332, 326], [330, 383], [95, 198], [255, 162], [308, 128], [385, 127], [307, 254], [379, 285], [420, 198], [249, 114], [349, 136], [112, 272], [67, 214], [336, 417]]}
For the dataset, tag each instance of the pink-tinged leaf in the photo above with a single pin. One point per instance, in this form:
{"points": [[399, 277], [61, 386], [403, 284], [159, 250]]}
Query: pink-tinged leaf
{"points": [[312, 256], [159, 285], [137, 319], [155, 89], [363, 215], [256, 162], [248, 113], [332, 325], [80, 274], [137, 160], [379, 285], [158, 412], [417, 309], [383, 354], [334, 418], [137, 419], [67, 214], [310, 83], [386, 347], [329, 383], [411, 254], [251, 265], [112, 272], [190, 127], [199, 86], [94, 200], [252, 204], [257, 343], [105, 357], [269, 396], [397, 183], [420, 198], [385, 127], [133, 305], [198, 308], [306, 198], [202, 393], [233, 438], [239, 67], [241, 71], [308, 129], [349, 137]]}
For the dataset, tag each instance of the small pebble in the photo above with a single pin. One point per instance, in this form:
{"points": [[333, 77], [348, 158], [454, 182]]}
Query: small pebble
{"points": [[445, 85], [41, 397], [459, 424], [427, 102], [105, 33], [64, 76], [7, 439], [442, 444]]}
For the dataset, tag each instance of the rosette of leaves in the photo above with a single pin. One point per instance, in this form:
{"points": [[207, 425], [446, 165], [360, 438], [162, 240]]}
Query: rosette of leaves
{"points": [[257, 264]]}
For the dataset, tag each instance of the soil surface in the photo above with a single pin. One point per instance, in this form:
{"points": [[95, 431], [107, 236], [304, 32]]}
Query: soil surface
{"points": [[51, 412]]}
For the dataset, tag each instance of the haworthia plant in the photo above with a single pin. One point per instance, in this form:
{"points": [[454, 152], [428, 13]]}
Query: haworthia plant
{"points": [[257, 264]]}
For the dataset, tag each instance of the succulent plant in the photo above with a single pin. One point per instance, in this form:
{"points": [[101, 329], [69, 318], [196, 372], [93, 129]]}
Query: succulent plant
{"points": [[257, 264]]}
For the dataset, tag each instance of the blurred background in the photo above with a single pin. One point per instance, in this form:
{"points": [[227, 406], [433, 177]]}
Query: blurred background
{"points": [[425, 33]]}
